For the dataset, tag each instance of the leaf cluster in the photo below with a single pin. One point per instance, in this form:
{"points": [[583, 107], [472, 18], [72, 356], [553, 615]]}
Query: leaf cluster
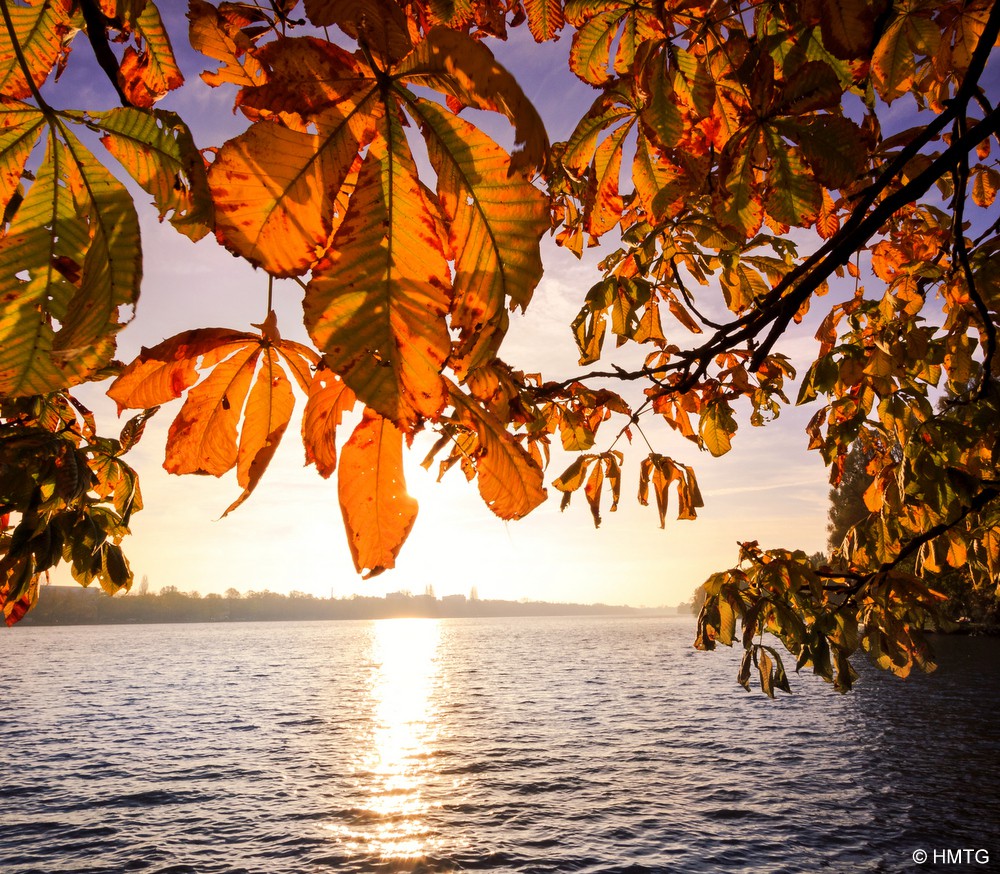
{"points": [[744, 160]]}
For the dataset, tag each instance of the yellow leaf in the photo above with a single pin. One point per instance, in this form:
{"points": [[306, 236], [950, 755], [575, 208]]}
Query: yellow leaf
{"points": [[464, 68], [378, 512], [157, 150], [717, 427], [40, 29], [376, 304], [221, 38], [597, 26], [69, 260], [893, 64], [495, 223], [510, 482]]}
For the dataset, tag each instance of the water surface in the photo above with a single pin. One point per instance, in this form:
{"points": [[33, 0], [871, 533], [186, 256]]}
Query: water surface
{"points": [[534, 745]]}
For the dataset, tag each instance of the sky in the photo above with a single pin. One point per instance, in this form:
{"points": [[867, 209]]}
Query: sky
{"points": [[289, 536]]}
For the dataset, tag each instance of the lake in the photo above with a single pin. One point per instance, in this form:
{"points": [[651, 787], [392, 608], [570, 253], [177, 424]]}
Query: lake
{"points": [[597, 744]]}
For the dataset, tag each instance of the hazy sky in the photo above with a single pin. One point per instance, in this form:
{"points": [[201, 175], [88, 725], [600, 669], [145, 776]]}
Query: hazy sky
{"points": [[289, 535]]}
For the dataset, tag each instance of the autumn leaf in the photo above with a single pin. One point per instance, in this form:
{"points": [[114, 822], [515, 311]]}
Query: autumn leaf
{"points": [[597, 26], [590, 472], [717, 427], [509, 480], [68, 261], [156, 149], [661, 472], [490, 215], [848, 25], [20, 128], [376, 304], [149, 73], [246, 392], [220, 37], [378, 512], [545, 18], [381, 24], [328, 400], [464, 68], [275, 193], [40, 29]]}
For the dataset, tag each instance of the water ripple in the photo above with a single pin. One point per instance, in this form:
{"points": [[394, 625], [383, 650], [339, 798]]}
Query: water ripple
{"points": [[549, 745]]}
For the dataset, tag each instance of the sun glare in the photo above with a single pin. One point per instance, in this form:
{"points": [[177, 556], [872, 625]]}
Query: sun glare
{"points": [[401, 731]]}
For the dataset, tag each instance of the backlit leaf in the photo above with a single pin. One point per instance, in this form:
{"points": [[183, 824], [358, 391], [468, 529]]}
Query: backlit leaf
{"points": [[219, 37], [157, 150], [376, 304], [495, 221], [69, 260], [275, 193], [40, 29], [464, 68], [329, 398], [269, 408], [378, 512], [151, 72], [246, 395], [545, 18], [510, 482], [20, 128], [717, 427]]}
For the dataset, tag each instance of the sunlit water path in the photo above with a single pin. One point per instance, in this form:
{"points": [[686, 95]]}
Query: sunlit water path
{"points": [[578, 744]]}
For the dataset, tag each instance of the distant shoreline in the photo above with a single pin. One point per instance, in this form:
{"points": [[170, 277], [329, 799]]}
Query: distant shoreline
{"points": [[74, 605]]}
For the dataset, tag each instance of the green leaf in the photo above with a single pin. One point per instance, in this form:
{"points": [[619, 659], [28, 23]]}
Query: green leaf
{"points": [[40, 29], [69, 261], [156, 149]]}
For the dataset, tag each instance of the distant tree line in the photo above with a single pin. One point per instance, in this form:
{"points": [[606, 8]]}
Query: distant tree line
{"points": [[71, 605]]}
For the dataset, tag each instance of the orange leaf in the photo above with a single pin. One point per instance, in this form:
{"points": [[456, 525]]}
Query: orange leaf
{"points": [[510, 482], [268, 411], [221, 38], [150, 73], [164, 372], [376, 305], [202, 439], [463, 67], [495, 222], [378, 512], [329, 398]]}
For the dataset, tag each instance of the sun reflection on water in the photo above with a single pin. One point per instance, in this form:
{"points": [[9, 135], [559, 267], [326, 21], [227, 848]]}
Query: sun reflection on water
{"points": [[392, 764]]}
